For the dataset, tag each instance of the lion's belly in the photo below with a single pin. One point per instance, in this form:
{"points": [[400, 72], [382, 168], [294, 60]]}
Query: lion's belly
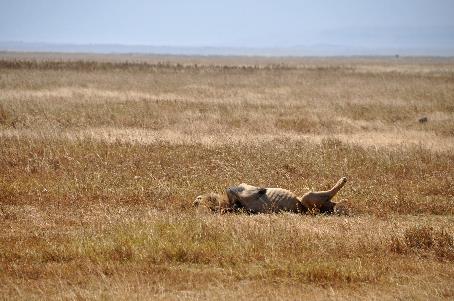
{"points": [[278, 199]]}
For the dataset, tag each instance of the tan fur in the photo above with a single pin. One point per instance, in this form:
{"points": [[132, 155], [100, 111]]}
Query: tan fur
{"points": [[214, 202], [321, 200], [267, 200]]}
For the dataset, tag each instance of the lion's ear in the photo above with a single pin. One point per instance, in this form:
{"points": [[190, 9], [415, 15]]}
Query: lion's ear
{"points": [[197, 201]]}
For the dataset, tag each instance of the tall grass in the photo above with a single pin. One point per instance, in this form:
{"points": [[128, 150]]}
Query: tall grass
{"points": [[101, 158]]}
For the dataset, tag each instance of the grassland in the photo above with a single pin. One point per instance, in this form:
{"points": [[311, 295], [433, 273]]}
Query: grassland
{"points": [[102, 156]]}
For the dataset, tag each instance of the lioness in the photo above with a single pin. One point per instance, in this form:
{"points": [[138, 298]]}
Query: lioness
{"points": [[254, 199]]}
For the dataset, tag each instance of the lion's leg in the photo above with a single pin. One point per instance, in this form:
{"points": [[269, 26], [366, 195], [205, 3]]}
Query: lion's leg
{"points": [[320, 200], [331, 193]]}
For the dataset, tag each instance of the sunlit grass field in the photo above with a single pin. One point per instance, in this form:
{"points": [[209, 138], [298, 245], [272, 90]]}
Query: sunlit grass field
{"points": [[101, 158]]}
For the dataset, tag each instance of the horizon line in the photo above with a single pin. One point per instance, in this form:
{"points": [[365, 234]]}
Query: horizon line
{"points": [[296, 50]]}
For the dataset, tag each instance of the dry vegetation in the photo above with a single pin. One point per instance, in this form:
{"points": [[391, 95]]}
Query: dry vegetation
{"points": [[101, 157]]}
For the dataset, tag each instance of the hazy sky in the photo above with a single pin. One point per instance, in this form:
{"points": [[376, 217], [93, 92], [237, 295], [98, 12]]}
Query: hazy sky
{"points": [[238, 23]]}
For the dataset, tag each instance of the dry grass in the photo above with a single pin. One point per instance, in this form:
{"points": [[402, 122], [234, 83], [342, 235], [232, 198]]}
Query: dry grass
{"points": [[101, 157]]}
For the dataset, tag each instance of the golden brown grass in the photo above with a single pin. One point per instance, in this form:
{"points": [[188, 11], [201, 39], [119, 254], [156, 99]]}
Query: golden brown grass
{"points": [[102, 156]]}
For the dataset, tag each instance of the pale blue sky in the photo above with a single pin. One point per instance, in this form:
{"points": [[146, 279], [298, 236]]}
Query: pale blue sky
{"points": [[236, 23]]}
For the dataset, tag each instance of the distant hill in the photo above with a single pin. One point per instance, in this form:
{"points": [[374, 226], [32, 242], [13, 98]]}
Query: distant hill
{"points": [[299, 50]]}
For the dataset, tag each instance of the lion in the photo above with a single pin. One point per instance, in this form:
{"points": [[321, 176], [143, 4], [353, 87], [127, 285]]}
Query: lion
{"points": [[254, 199]]}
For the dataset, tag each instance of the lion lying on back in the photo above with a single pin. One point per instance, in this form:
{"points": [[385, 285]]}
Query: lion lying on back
{"points": [[269, 200]]}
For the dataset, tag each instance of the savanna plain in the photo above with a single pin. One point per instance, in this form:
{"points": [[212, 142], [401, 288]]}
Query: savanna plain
{"points": [[101, 158]]}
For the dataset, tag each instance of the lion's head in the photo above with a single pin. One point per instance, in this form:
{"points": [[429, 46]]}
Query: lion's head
{"points": [[211, 201]]}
